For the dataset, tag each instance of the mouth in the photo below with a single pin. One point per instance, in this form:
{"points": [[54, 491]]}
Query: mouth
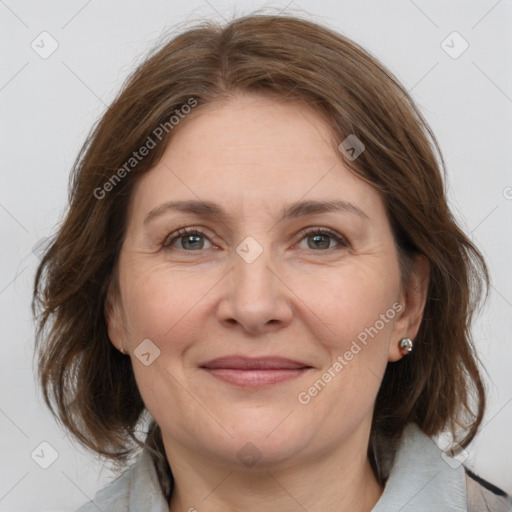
{"points": [[254, 372]]}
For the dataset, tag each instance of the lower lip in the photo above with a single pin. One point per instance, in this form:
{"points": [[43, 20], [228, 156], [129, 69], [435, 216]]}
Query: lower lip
{"points": [[255, 378]]}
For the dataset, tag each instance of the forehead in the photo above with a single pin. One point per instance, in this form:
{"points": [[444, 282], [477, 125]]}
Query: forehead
{"points": [[255, 151]]}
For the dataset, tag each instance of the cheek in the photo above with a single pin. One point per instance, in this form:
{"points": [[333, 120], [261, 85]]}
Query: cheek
{"points": [[164, 306], [356, 316], [353, 302], [161, 304]]}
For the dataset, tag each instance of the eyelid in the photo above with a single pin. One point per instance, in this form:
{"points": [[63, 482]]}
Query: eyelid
{"points": [[170, 239], [341, 239], [303, 233]]}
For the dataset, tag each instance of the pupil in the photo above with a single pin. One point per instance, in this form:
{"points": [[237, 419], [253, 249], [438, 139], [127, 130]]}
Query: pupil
{"points": [[318, 238], [193, 239]]}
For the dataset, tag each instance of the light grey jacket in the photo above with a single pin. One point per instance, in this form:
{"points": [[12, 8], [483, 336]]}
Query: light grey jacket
{"points": [[422, 479]]}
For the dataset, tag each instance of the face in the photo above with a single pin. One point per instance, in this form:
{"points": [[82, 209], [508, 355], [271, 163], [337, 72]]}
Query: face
{"points": [[267, 318]]}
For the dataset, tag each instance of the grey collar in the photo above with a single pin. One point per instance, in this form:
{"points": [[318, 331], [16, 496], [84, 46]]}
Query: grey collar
{"points": [[423, 478]]}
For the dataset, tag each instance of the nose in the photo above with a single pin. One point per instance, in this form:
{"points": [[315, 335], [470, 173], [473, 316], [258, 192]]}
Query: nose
{"points": [[255, 297]]}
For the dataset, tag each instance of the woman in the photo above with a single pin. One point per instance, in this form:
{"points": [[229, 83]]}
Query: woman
{"points": [[259, 255]]}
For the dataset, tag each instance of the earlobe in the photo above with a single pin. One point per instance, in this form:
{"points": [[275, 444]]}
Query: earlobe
{"points": [[413, 298], [417, 293]]}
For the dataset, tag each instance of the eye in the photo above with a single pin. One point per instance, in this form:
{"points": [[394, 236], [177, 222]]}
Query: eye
{"points": [[193, 239], [188, 239], [321, 239]]}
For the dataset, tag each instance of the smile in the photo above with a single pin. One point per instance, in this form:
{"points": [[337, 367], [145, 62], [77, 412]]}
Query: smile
{"points": [[254, 373]]}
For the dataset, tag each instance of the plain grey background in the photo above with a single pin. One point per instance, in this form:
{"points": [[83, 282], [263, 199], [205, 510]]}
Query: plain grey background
{"points": [[49, 102]]}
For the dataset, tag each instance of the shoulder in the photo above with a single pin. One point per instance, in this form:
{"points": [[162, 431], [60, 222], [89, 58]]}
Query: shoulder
{"points": [[422, 477], [112, 498], [137, 488], [484, 496]]}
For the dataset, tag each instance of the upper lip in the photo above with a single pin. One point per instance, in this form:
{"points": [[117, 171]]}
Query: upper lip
{"points": [[248, 363]]}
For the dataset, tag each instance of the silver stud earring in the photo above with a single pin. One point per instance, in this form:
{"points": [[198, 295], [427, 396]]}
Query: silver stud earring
{"points": [[405, 345]]}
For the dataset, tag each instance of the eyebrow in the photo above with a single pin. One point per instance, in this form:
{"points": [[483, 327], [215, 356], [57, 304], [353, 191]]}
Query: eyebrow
{"points": [[292, 211]]}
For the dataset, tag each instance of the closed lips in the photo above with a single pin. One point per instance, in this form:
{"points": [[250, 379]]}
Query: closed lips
{"points": [[243, 363], [252, 373]]}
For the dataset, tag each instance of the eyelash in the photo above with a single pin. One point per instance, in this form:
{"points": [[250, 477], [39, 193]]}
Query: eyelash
{"points": [[181, 232]]}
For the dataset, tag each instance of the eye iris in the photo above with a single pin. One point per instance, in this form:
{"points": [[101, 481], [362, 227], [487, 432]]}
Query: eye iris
{"points": [[195, 241], [192, 241], [319, 238]]}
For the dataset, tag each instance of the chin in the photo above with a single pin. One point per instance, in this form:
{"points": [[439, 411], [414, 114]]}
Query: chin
{"points": [[267, 438]]}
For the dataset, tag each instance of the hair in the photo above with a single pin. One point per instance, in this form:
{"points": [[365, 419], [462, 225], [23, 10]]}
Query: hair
{"points": [[92, 385]]}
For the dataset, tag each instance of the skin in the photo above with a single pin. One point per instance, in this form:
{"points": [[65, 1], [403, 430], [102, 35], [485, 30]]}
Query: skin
{"points": [[253, 156]]}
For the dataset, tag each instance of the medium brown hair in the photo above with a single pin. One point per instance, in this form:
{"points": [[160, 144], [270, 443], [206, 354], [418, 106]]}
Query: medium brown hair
{"points": [[92, 385]]}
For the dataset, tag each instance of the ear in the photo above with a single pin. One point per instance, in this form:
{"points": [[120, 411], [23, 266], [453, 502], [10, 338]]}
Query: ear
{"points": [[112, 313], [413, 298]]}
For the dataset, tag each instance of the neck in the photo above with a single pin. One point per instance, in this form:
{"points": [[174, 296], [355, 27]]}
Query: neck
{"points": [[341, 480]]}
